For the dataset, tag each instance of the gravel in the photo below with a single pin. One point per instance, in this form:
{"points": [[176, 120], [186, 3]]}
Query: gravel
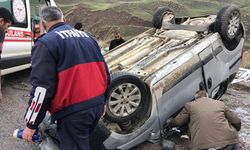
{"points": [[12, 108]]}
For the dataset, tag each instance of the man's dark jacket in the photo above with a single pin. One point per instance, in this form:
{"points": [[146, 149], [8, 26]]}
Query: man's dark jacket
{"points": [[211, 123], [68, 74], [114, 43]]}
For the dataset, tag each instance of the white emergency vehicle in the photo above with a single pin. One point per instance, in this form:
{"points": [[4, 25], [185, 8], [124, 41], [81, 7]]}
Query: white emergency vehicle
{"points": [[21, 35]]}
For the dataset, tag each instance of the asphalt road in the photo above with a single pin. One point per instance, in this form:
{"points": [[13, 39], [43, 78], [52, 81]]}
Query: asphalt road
{"points": [[12, 108], [16, 88]]}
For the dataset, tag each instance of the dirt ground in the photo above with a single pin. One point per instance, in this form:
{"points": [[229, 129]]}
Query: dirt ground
{"points": [[16, 88]]}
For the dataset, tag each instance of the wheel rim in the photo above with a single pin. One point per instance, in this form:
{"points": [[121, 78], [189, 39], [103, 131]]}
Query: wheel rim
{"points": [[168, 18], [124, 99], [233, 24]]}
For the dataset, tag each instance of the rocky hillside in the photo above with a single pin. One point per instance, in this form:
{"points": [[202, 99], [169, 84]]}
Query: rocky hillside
{"points": [[103, 22], [102, 17]]}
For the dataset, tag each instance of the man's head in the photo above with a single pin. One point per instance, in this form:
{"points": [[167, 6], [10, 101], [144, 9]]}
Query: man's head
{"points": [[117, 35], [6, 18], [78, 26], [200, 94], [50, 16]]}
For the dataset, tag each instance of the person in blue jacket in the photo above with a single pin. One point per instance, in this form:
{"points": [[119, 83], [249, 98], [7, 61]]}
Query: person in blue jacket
{"points": [[69, 78]]}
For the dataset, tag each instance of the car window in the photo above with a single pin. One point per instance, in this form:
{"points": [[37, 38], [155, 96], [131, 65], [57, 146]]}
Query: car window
{"points": [[5, 4], [19, 11], [35, 6]]}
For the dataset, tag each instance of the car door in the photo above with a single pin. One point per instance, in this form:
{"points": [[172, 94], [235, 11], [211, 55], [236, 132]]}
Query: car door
{"points": [[179, 86], [17, 43], [19, 38], [213, 69]]}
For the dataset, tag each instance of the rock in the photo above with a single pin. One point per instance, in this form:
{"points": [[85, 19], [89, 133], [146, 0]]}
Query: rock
{"points": [[168, 145]]}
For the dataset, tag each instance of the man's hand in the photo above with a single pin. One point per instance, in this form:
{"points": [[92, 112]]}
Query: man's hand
{"points": [[28, 134], [168, 122]]}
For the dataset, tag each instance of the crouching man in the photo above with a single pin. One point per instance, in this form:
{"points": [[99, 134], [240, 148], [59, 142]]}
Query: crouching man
{"points": [[212, 125]]}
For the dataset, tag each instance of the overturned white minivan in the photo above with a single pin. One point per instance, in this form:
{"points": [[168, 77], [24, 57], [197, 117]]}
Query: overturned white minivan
{"points": [[157, 72]]}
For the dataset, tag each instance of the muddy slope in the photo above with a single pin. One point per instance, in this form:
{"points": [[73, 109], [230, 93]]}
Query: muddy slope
{"points": [[103, 23]]}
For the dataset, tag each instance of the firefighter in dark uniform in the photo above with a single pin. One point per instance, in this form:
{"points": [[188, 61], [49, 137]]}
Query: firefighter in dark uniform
{"points": [[69, 78]]}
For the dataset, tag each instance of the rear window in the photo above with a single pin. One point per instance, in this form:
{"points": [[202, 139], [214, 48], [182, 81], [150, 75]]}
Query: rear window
{"points": [[18, 9]]}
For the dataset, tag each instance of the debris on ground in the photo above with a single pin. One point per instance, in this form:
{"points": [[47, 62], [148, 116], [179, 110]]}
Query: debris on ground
{"points": [[243, 75]]}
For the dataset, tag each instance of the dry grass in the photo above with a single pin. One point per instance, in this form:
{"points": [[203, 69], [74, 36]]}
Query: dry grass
{"points": [[246, 59]]}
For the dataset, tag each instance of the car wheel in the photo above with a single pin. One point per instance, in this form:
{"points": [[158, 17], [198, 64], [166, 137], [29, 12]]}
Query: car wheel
{"points": [[159, 15], [228, 25], [127, 97]]}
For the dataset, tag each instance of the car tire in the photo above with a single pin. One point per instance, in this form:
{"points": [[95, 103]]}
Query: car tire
{"points": [[168, 145], [158, 16], [228, 25], [228, 22], [127, 98]]}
